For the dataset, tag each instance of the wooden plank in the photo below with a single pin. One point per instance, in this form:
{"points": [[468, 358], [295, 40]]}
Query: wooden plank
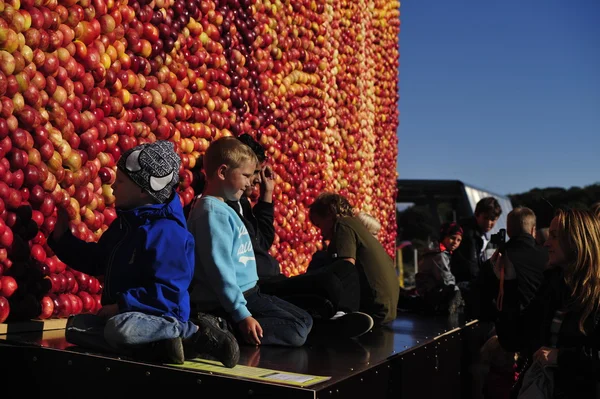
{"points": [[32, 326]]}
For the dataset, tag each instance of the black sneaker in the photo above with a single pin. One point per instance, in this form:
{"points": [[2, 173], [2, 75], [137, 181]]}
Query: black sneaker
{"points": [[348, 325], [168, 351], [213, 339]]}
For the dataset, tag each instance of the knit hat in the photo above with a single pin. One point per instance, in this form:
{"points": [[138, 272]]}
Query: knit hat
{"points": [[450, 229], [154, 167]]}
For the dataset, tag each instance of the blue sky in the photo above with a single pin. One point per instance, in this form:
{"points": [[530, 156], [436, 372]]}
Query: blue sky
{"points": [[503, 95]]}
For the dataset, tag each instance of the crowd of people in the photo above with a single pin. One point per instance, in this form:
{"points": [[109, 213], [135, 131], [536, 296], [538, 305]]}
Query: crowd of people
{"points": [[536, 298], [181, 283]]}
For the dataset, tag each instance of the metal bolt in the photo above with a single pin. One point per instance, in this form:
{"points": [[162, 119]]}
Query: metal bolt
{"points": [[199, 381], [34, 359], [69, 363], [351, 369], [107, 369], [250, 392], [147, 374]]}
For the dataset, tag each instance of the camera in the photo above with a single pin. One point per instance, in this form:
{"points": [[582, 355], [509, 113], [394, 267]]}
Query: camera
{"points": [[499, 239]]}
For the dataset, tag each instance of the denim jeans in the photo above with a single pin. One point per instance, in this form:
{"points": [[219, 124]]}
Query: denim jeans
{"points": [[124, 331], [282, 323]]}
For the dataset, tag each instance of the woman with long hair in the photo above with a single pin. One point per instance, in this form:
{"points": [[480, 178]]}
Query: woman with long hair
{"points": [[559, 328]]}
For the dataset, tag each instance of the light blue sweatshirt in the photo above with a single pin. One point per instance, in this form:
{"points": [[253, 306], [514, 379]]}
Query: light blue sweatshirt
{"points": [[225, 263]]}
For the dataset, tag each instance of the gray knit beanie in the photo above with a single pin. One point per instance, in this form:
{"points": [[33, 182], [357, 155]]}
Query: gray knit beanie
{"points": [[154, 167]]}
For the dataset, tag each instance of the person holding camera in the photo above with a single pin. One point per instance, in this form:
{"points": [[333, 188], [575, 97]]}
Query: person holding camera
{"points": [[529, 260]]}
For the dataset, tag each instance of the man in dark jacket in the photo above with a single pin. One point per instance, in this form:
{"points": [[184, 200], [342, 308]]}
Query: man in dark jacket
{"points": [[529, 260]]}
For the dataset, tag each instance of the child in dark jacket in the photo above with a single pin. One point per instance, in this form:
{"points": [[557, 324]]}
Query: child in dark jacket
{"points": [[435, 283], [147, 259]]}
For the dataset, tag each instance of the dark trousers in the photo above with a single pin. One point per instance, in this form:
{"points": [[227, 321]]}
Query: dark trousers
{"points": [[283, 323], [322, 291]]}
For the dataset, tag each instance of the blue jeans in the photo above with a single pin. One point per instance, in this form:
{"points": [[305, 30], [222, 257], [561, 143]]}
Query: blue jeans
{"points": [[282, 323], [124, 331]]}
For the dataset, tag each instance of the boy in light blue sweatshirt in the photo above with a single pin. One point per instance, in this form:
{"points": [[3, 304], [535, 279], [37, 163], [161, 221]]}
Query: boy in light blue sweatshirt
{"points": [[225, 276]]}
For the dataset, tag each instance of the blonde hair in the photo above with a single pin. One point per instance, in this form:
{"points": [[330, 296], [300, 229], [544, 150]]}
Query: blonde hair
{"points": [[596, 209], [579, 238], [520, 221], [370, 222], [227, 151], [331, 204]]}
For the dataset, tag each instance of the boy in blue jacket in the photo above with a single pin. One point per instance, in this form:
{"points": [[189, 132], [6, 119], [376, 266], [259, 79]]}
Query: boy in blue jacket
{"points": [[226, 276], [147, 259]]}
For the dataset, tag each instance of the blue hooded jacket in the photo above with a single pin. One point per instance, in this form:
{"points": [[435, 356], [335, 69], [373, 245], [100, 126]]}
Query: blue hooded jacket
{"points": [[146, 257]]}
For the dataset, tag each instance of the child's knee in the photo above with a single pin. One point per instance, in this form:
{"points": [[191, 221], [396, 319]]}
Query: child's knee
{"points": [[117, 332], [298, 337]]}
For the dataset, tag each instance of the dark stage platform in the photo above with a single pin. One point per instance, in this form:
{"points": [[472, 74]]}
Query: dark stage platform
{"points": [[417, 357]]}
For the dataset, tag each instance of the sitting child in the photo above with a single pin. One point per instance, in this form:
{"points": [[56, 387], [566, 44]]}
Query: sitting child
{"points": [[434, 280], [226, 273], [147, 259], [350, 243]]}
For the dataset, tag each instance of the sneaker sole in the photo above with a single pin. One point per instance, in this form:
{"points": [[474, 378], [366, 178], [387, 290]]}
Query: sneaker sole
{"points": [[353, 325]]}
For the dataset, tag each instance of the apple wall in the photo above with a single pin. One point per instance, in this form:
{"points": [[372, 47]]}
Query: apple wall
{"points": [[83, 81]]}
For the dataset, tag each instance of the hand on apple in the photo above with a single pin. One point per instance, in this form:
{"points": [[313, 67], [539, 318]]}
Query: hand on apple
{"points": [[267, 183], [109, 311], [62, 223]]}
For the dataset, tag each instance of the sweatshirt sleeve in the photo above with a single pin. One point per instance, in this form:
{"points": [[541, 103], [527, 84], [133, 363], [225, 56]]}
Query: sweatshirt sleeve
{"points": [[167, 277], [215, 236]]}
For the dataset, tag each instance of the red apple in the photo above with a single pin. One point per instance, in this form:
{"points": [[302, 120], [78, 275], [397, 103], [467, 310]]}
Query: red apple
{"points": [[4, 309], [65, 306], [47, 308], [38, 253], [94, 286], [88, 301], [9, 286]]}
